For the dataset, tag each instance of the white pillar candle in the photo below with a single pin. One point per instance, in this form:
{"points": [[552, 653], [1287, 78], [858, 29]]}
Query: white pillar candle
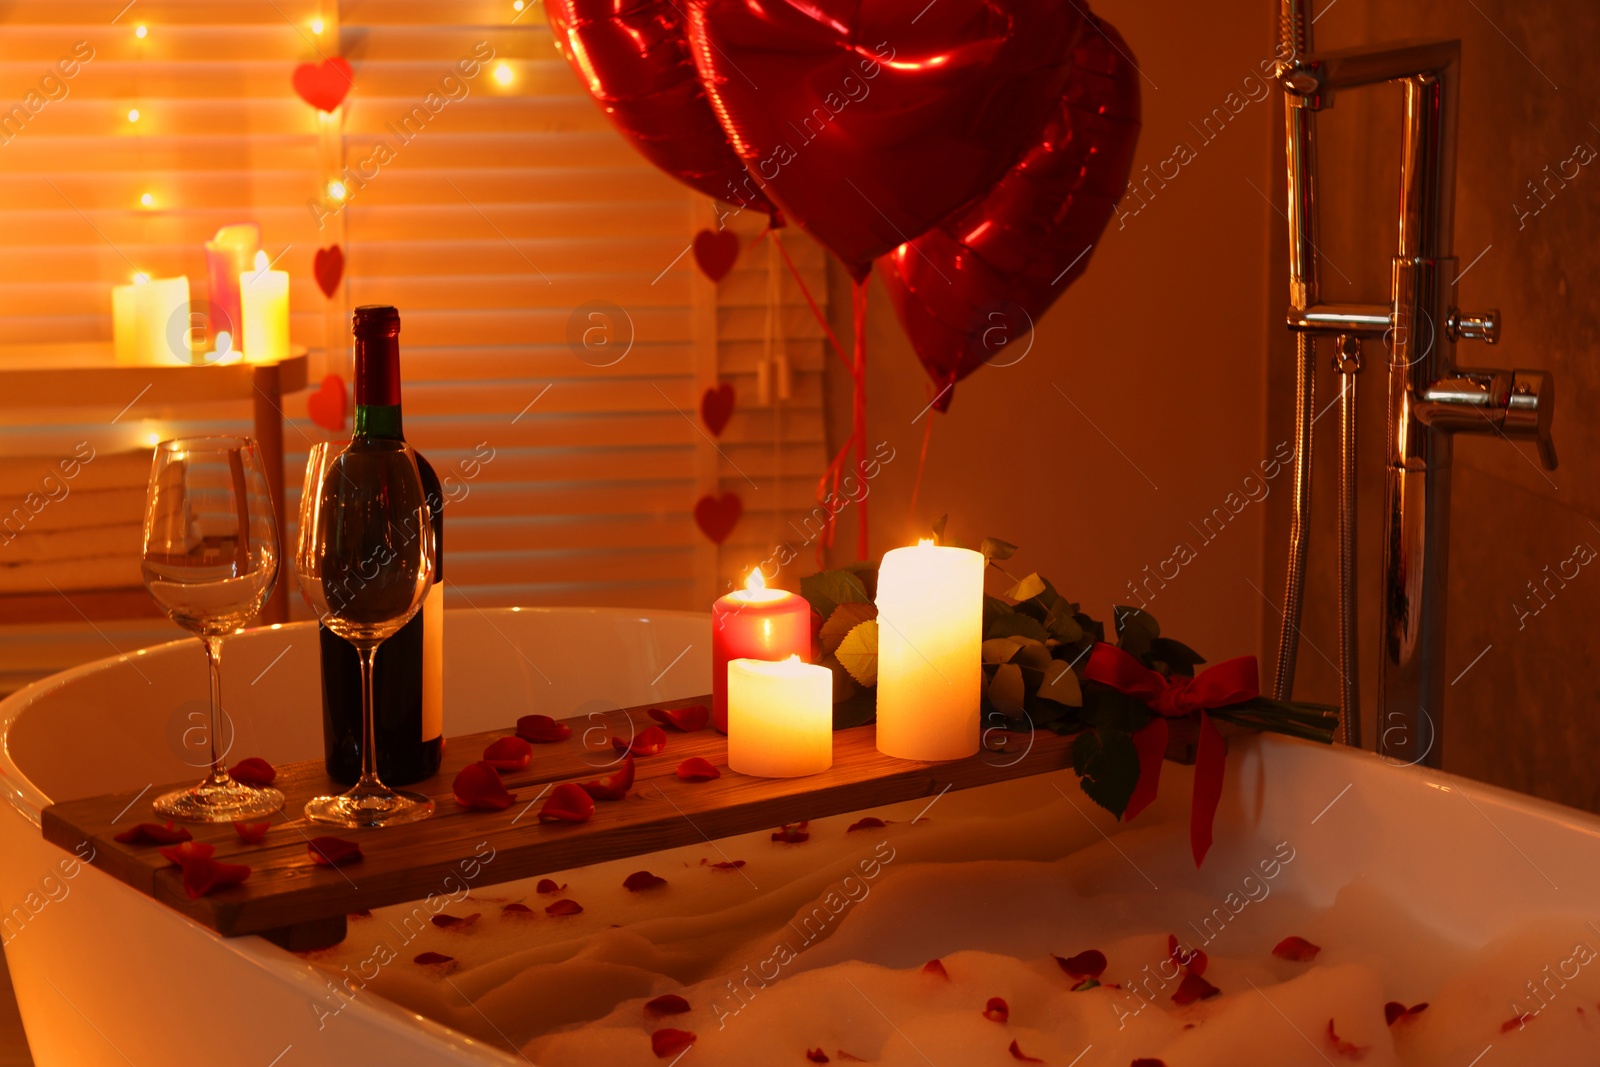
{"points": [[150, 322], [780, 717], [264, 307], [930, 660]]}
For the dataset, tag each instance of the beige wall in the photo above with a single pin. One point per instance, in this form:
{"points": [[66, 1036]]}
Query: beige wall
{"points": [[1160, 348], [1523, 715]]}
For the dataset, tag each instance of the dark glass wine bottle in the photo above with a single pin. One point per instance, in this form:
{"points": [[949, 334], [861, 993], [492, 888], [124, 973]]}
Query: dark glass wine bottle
{"points": [[408, 676]]}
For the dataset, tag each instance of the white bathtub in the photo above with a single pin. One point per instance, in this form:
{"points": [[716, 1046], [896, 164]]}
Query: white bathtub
{"points": [[104, 975]]}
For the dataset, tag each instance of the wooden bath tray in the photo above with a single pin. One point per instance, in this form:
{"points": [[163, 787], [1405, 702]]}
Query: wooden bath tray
{"points": [[300, 905]]}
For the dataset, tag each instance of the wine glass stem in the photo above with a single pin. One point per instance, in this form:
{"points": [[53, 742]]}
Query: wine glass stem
{"points": [[369, 748], [213, 645]]}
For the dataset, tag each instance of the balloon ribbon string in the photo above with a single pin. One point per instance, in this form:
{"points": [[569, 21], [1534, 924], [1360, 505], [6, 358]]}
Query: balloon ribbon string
{"points": [[922, 463], [858, 409], [805, 291]]}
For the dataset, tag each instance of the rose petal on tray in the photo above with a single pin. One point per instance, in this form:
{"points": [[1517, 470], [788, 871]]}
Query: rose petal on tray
{"points": [[547, 885], [508, 754], [696, 769], [649, 742], [565, 907], [542, 729], [151, 833], [792, 833], [333, 851], [665, 1043], [567, 803], [1297, 949], [252, 833], [516, 910], [202, 874], [427, 958], [667, 1004], [613, 786], [689, 719], [639, 881], [188, 850], [253, 770], [726, 865], [871, 822], [454, 922], [479, 786]]}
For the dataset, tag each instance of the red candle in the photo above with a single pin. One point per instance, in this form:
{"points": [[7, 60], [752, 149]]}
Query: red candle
{"points": [[754, 623]]}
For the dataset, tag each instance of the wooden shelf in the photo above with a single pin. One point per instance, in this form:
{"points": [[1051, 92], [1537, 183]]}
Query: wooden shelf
{"points": [[301, 905], [86, 375]]}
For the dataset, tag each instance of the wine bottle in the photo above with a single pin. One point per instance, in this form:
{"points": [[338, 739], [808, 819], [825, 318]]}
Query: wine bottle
{"points": [[408, 675]]}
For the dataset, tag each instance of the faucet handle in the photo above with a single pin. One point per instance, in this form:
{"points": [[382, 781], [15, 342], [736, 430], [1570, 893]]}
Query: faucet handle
{"points": [[1530, 407], [1485, 327]]}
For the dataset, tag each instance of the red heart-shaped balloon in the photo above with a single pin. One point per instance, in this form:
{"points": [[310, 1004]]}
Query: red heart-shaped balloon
{"points": [[716, 251], [716, 408], [869, 121], [634, 59], [328, 266], [328, 405], [324, 85], [966, 290], [718, 515]]}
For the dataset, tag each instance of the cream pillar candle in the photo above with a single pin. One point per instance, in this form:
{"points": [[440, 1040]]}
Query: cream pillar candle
{"points": [[780, 717], [150, 322], [264, 307], [930, 660]]}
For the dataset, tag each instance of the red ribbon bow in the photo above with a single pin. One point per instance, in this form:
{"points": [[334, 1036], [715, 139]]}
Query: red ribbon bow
{"points": [[1230, 682]]}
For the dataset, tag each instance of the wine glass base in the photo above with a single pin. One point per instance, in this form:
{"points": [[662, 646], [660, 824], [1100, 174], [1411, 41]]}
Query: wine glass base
{"points": [[369, 806], [219, 802]]}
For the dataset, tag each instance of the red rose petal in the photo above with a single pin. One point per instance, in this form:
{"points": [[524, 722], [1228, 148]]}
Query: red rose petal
{"points": [[728, 865], [1017, 1053], [454, 922], [791, 833], [516, 911], [667, 1004], [542, 729], [639, 881], [1297, 949], [1193, 988], [816, 1055], [432, 957], [564, 907], [1392, 1011], [479, 786], [650, 741], [613, 786], [1190, 959], [547, 885], [997, 1010], [1087, 964], [1510, 1024], [508, 754], [666, 1043], [871, 822], [567, 803], [202, 874], [333, 851], [253, 770], [1149, 1061], [695, 769], [936, 968], [364, 913], [689, 719], [252, 833], [150, 833], [188, 850], [1346, 1048]]}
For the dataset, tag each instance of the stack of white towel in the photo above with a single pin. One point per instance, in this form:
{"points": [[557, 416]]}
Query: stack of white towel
{"points": [[73, 521]]}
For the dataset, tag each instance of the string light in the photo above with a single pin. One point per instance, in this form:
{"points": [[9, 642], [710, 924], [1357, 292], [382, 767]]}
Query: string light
{"points": [[316, 25], [141, 278], [517, 6], [140, 32], [147, 200], [336, 190], [133, 114], [503, 73]]}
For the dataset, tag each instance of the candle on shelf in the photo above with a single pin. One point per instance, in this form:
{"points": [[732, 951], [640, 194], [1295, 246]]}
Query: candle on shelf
{"points": [[264, 307], [930, 659], [780, 717], [150, 322], [230, 253], [754, 623]]}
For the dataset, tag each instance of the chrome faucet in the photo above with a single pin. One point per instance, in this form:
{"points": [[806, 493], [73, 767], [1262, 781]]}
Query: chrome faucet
{"points": [[1430, 398]]}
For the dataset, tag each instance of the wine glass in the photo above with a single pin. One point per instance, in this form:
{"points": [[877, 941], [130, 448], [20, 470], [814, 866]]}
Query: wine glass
{"points": [[210, 560], [364, 559]]}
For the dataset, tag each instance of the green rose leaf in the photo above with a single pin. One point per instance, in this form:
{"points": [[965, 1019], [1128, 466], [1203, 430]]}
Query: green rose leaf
{"points": [[1108, 768], [1006, 691], [1000, 649], [1015, 625], [845, 617], [858, 653], [1034, 659], [1136, 629], [994, 548], [826, 590], [1028, 588], [1176, 655], [1061, 685]]}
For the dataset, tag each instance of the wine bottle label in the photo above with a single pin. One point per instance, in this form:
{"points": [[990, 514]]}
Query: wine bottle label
{"points": [[433, 663]]}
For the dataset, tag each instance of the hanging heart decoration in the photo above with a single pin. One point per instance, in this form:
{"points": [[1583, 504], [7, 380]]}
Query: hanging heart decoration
{"points": [[716, 408], [718, 515], [324, 85], [715, 252], [329, 404], [328, 266]]}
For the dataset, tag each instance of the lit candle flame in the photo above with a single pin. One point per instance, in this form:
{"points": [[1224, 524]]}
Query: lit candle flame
{"points": [[755, 583], [926, 542]]}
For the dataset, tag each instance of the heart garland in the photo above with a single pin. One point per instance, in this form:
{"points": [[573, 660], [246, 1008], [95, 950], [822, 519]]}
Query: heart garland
{"points": [[328, 266], [716, 408], [324, 85], [329, 404], [716, 252], [718, 515]]}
